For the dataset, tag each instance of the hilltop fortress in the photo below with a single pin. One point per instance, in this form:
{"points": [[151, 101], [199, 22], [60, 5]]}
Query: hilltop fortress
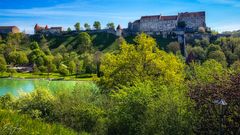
{"points": [[158, 24]]}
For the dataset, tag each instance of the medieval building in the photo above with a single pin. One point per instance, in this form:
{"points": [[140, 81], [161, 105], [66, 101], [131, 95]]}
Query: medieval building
{"points": [[46, 30], [159, 24], [9, 29]]}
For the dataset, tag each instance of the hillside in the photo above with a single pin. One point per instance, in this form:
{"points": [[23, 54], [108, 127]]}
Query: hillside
{"points": [[101, 41]]}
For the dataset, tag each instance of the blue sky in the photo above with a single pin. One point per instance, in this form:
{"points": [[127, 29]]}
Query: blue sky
{"points": [[222, 15]]}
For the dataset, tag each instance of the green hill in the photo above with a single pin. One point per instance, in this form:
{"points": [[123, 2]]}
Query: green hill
{"points": [[101, 41]]}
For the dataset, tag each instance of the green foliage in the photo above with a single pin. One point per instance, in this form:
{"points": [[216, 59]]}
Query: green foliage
{"points": [[173, 47], [18, 58], [207, 72], [3, 65], [198, 53], [87, 26], [77, 26], [150, 109], [72, 67], [111, 25], [140, 62], [69, 29], [84, 42], [37, 104], [13, 123], [97, 25], [63, 70], [218, 56]]}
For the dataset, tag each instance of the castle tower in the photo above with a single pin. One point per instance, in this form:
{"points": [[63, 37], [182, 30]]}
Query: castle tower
{"points": [[46, 27], [37, 28], [119, 31]]}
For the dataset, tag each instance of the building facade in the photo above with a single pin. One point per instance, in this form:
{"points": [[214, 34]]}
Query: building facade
{"points": [[9, 29], [159, 24], [46, 30]]}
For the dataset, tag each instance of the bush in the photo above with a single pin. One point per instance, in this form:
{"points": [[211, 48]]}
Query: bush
{"points": [[13, 123], [63, 70]]}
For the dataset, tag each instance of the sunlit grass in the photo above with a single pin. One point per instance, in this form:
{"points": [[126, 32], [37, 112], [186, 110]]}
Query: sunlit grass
{"points": [[13, 123]]}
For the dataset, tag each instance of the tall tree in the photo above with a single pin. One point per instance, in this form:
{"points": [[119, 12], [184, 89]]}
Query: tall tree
{"points": [[111, 25], [97, 25], [77, 26], [87, 26]]}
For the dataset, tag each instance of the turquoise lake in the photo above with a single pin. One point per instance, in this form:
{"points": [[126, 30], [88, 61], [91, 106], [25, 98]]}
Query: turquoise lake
{"points": [[15, 86]]}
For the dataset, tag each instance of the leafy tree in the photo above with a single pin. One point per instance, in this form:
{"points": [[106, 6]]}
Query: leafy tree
{"points": [[63, 70], [212, 48], [218, 56], [149, 108], [97, 25], [173, 47], [198, 53], [57, 59], [69, 29], [111, 25], [140, 62], [207, 72], [225, 87], [88, 63], [87, 26], [84, 42], [77, 26], [34, 45], [3, 65], [18, 58], [72, 67]]}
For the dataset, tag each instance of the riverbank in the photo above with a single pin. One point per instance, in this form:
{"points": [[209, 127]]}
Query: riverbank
{"points": [[46, 76]]}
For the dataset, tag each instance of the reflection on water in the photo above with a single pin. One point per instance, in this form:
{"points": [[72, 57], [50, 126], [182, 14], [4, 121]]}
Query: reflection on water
{"points": [[14, 86]]}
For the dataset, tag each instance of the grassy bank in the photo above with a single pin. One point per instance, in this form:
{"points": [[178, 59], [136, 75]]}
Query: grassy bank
{"points": [[13, 123], [52, 76]]}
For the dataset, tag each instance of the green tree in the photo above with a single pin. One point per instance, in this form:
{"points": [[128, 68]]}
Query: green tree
{"points": [[18, 58], [111, 25], [198, 53], [63, 70], [218, 56], [87, 26], [139, 62], [77, 26], [212, 48], [3, 65], [84, 42], [173, 47], [97, 25], [207, 72], [72, 67], [69, 29], [34, 45]]}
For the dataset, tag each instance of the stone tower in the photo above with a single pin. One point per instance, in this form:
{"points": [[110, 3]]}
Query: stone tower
{"points": [[119, 31]]}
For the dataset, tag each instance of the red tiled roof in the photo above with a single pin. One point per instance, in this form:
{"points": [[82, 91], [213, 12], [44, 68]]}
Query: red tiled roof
{"points": [[151, 17]]}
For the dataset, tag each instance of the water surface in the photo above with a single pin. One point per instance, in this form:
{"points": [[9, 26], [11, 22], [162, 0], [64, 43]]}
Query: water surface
{"points": [[14, 86]]}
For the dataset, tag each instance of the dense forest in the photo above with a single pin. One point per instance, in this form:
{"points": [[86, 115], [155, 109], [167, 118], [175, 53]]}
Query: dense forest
{"points": [[141, 86]]}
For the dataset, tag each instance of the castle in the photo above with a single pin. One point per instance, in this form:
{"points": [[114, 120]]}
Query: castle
{"points": [[46, 30], [158, 24]]}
